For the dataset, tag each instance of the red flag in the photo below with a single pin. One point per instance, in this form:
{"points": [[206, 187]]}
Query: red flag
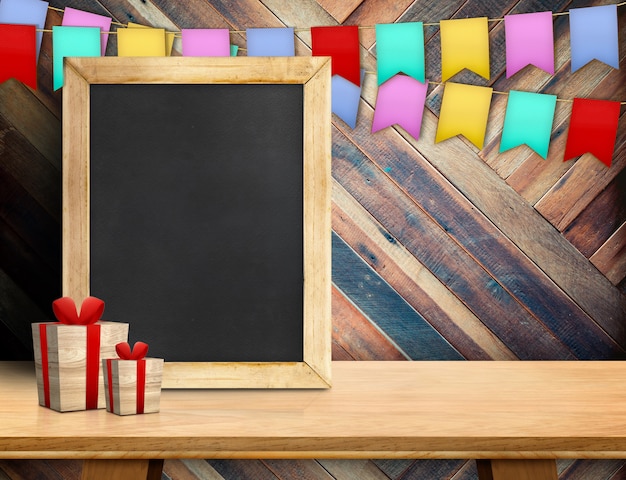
{"points": [[18, 53], [342, 45], [593, 129]]}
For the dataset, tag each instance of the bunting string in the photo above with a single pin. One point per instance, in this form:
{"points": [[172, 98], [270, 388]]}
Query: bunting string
{"points": [[400, 69]]}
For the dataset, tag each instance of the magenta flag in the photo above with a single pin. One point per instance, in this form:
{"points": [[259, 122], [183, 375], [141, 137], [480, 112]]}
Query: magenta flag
{"points": [[400, 101], [529, 41]]}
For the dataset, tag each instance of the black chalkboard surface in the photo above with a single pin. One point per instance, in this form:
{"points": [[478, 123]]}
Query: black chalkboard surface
{"points": [[196, 204], [197, 217]]}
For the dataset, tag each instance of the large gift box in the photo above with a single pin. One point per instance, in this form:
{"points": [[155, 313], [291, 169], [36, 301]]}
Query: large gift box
{"points": [[132, 382], [68, 355]]}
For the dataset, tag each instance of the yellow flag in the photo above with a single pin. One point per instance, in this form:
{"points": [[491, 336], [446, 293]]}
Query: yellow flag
{"points": [[464, 111], [141, 41], [464, 44], [169, 37]]}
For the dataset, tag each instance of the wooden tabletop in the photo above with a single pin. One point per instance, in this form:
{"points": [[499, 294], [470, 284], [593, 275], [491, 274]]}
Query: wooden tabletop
{"points": [[482, 410]]}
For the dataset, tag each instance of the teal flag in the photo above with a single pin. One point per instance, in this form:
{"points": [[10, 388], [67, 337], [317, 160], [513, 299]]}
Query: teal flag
{"points": [[528, 120], [400, 48], [72, 42]]}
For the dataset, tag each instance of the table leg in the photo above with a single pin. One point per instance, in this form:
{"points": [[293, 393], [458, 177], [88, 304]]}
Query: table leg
{"points": [[122, 469], [517, 470]]}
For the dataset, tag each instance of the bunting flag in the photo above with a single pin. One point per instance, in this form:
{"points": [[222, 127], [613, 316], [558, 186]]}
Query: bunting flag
{"points": [[25, 12], [464, 111], [593, 35], [345, 98], [400, 49], [592, 129], [141, 42], [528, 120], [342, 45], [400, 101], [270, 42], [464, 44], [234, 49], [72, 42], [529, 41], [78, 18], [18, 54], [206, 42], [169, 37]]}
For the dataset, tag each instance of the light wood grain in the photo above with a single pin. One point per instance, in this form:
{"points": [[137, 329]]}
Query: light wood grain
{"points": [[488, 410]]}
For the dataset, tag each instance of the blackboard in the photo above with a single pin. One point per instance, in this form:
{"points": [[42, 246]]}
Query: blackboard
{"points": [[207, 210]]}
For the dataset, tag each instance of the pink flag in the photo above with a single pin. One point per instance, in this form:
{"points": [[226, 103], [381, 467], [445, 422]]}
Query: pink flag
{"points": [[400, 101], [78, 18], [529, 41], [206, 42]]}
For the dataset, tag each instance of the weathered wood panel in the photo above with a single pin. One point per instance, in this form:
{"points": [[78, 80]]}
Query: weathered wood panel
{"points": [[441, 250]]}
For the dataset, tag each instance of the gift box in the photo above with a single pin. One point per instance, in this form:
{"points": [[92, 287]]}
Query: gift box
{"points": [[68, 355], [132, 382]]}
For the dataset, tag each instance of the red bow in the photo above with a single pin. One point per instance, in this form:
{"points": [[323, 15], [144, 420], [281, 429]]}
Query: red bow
{"points": [[66, 312], [140, 350]]}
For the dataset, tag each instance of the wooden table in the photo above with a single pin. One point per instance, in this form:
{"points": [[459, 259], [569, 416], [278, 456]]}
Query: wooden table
{"points": [[515, 418]]}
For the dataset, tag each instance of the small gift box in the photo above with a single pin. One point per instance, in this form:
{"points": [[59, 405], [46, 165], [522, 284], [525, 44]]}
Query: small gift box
{"points": [[68, 353], [132, 382]]}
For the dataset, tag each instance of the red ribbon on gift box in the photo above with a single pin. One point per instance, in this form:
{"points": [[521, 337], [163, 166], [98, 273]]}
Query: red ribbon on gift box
{"points": [[66, 313], [138, 353]]}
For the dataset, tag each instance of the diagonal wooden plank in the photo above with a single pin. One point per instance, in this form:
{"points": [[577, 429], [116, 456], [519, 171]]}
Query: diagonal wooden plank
{"points": [[611, 258], [340, 10], [305, 469], [402, 324], [445, 258], [355, 337], [600, 219], [413, 281], [353, 469]]}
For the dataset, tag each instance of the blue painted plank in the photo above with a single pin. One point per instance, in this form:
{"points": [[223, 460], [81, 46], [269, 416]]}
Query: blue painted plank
{"points": [[388, 310]]}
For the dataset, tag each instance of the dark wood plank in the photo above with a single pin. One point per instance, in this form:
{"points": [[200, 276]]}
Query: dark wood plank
{"points": [[600, 219], [242, 469], [40, 179], [592, 469], [433, 469], [440, 254], [413, 281], [356, 336], [301, 469], [28, 470], [611, 258], [353, 469], [403, 325]]}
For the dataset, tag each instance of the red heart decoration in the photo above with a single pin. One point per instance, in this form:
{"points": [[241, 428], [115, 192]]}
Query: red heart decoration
{"points": [[139, 351], [66, 312]]}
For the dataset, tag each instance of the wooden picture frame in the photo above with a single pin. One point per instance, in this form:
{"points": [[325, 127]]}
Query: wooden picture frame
{"points": [[313, 73]]}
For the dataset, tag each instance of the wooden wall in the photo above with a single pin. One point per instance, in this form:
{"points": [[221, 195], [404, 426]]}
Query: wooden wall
{"points": [[440, 251]]}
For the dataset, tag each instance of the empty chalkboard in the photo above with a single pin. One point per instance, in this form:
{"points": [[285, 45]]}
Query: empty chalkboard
{"points": [[207, 212]]}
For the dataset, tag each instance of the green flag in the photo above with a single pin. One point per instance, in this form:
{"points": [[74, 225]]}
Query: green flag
{"points": [[400, 48]]}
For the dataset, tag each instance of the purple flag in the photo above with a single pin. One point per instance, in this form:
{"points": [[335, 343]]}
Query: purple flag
{"points": [[345, 98], [270, 42], [400, 101], [529, 41], [593, 35], [25, 12]]}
